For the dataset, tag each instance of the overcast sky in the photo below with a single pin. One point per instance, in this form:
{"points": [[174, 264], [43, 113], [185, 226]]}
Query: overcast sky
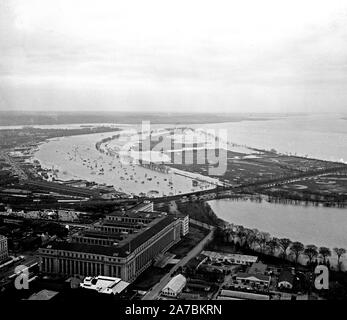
{"points": [[178, 55]]}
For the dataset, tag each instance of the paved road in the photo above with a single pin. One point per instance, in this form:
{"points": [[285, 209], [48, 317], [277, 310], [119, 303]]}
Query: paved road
{"points": [[155, 292]]}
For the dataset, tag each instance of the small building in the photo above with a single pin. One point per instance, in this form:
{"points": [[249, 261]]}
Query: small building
{"points": [[241, 259], [175, 286], [3, 248], [43, 295], [240, 295], [285, 280], [249, 280], [102, 284]]}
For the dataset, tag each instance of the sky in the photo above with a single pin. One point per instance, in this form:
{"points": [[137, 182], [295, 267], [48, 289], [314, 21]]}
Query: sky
{"points": [[182, 55]]}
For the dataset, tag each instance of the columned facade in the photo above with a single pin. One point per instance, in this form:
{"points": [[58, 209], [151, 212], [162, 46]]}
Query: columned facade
{"points": [[126, 260]]}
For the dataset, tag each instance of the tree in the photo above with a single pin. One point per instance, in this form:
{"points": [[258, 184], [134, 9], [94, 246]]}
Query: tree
{"points": [[251, 238], [297, 248], [324, 252], [339, 252], [242, 235], [284, 243], [273, 245], [311, 251], [263, 239]]}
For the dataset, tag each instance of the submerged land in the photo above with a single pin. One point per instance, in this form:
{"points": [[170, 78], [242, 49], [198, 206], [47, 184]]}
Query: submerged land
{"points": [[40, 197]]}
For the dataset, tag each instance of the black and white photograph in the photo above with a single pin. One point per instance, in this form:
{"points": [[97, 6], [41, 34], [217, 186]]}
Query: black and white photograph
{"points": [[167, 157]]}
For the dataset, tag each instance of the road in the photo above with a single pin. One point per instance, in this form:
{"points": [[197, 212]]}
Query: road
{"points": [[16, 168], [155, 292]]}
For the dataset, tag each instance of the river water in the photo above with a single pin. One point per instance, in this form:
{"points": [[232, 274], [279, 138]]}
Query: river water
{"points": [[321, 136], [309, 224]]}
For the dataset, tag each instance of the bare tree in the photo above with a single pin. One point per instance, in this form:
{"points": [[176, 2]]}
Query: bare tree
{"points": [[339, 252], [263, 239], [273, 245], [325, 252], [251, 238], [311, 251], [284, 243], [297, 248]]}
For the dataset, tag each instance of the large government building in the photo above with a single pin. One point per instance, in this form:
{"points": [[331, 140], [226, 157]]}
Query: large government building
{"points": [[122, 245]]}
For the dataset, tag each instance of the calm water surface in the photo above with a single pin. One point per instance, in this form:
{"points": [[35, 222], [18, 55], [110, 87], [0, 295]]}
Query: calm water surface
{"points": [[321, 226]]}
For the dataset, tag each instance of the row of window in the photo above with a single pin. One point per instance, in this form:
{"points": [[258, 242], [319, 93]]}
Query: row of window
{"points": [[81, 255]]}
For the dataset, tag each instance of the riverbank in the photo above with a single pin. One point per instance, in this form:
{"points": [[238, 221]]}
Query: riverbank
{"points": [[318, 225], [235, 238]]}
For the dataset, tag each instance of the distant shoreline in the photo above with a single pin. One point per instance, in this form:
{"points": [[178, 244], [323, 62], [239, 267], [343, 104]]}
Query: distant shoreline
{"points": [[16, 118]]}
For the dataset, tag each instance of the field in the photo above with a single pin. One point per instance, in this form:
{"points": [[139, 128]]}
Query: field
{"points": [[187, 243], [242, 168], [149, 278]]}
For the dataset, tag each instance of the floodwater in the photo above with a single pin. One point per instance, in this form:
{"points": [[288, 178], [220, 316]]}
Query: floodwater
{"points": [[318, 225]]}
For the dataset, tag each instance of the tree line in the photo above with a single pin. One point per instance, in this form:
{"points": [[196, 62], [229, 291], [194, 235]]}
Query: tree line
{"points": [[281, 247]]}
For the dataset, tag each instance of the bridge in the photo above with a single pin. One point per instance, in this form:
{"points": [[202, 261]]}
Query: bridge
{"points": [[223, 191]]}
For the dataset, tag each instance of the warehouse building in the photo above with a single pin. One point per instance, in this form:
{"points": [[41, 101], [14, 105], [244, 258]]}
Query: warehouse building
{"points": [[175, 286]]}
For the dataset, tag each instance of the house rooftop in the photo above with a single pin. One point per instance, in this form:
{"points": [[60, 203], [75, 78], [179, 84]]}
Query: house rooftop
{"points": [[176, 283], [244, 275], [43, 295], [104, 284]]}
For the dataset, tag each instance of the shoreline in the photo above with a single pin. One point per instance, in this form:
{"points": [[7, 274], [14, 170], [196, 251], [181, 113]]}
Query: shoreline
{"points": [[225, 225]]}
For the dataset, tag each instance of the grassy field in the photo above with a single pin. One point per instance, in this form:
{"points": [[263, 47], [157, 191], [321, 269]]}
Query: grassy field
{"points": [[149, 278], [187, 243]]}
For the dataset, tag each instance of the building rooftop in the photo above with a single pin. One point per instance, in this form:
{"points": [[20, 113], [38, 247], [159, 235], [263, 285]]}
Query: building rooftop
{"points": [[133, 241], [111, 223], [43, 295], [176, 284], [222, 255], [135, 214], [104, 284], [124, 247], [250, 276], [100, 235]]}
